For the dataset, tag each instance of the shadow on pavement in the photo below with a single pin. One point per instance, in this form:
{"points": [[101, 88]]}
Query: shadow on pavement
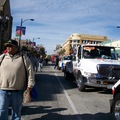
{"points": [[98, 116], [51, 115], [31, 110]]}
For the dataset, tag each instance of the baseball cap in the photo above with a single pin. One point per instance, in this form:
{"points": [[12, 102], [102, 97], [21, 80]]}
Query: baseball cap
{"points": [[11, 43]]}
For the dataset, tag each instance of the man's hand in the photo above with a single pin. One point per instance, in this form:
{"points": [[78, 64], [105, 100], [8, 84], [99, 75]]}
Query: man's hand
{"points": [[27, 96]]}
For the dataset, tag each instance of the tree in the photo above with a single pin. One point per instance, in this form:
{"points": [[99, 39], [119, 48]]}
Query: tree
{"points": [[62, 52], [42, 51]]}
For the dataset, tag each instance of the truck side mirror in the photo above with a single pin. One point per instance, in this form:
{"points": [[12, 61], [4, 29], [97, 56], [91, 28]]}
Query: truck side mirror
{"points": [[79, 53]]}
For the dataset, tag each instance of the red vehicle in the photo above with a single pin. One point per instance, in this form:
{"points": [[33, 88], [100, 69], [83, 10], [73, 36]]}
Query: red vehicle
{"points": [[115, 102], [53, 58]]}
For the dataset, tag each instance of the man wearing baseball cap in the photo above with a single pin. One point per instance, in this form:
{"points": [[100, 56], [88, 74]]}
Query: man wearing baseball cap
{"points": [[11, 43], [11, 46], [13, 80]]}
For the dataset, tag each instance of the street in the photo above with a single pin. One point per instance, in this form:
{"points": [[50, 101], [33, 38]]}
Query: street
{"points": [[60, 99]]}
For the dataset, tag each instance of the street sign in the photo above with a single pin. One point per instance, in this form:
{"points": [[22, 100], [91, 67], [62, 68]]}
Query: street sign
{"points": [[20, 30]]}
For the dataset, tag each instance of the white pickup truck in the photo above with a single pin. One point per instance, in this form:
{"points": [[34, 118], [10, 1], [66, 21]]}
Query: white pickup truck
{"points": [[63, 61], [95, 66]]}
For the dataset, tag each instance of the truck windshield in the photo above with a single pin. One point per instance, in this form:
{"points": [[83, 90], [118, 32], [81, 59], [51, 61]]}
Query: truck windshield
{"points": [[99, 52]]}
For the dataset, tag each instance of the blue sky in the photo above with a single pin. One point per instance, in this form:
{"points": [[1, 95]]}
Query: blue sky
{"points": [[55, 20]]}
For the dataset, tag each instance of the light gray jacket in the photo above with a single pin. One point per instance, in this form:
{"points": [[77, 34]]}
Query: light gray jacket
{"points": [[12, 72]]}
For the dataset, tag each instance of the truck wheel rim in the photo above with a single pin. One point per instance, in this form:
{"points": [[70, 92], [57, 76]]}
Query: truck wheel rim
{"points": [[79, 81], [117, 110]]}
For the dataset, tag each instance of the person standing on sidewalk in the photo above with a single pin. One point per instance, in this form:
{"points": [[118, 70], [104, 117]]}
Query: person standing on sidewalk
{"points": [[13, 80], [56, 62]]}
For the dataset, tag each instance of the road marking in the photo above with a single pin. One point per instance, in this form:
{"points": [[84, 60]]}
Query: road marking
{"points": [[69, 100]]}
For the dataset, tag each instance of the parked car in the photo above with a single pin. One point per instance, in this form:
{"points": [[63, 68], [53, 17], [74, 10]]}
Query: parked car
{"points": [[115, 102], [63, 62], [68, 71], [60, 65]]}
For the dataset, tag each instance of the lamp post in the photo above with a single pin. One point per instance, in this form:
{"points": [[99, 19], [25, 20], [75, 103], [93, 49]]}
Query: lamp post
{"points": [[21, 23], [36, 38], [117, 26], [3, 26], [33, 42]]}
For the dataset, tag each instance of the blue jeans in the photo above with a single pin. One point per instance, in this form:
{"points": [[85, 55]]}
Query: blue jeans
{"points": [[10, 98]]}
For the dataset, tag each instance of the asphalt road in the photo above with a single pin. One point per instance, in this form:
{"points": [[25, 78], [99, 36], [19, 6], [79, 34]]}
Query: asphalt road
{"points": [[60, 99]]}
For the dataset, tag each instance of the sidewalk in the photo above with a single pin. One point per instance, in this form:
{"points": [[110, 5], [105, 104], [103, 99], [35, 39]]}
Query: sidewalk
{"points": [[51, 68]]}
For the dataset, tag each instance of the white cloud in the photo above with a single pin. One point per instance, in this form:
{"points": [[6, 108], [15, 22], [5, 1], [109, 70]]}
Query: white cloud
{"points": [[56, 20]]}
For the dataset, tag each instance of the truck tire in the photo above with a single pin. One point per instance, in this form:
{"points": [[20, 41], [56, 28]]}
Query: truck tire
{"points": [[80, 83], [116, 107]]}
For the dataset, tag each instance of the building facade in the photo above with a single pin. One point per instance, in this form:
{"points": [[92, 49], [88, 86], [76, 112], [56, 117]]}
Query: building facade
{"points": [[5, 23], [76, 39], [114, 43], [57, 49]]}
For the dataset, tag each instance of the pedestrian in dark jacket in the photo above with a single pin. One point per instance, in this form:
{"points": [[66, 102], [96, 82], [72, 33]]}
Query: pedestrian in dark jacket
{"points": [[56, 62]]}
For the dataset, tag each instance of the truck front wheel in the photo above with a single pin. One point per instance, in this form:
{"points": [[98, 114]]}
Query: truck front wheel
{"points": [[80, 83]]}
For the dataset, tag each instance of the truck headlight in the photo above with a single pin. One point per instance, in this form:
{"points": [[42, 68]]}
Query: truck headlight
{"points": [[92, 75]]}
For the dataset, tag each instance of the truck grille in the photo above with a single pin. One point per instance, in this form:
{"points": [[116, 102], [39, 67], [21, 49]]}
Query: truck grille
{"points": [[109, 71]]}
